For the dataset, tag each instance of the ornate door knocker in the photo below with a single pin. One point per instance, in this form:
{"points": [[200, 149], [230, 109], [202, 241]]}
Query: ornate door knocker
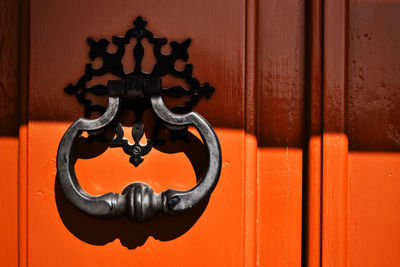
{"points": [[138, 91]]}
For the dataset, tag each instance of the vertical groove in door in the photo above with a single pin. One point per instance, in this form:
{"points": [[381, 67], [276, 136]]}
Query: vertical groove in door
{"points": [[250, 143], [23, 133], [311, 236], [335, 142]]}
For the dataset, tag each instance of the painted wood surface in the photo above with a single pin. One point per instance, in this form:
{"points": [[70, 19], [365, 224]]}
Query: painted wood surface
{"points": [[306, 108]]}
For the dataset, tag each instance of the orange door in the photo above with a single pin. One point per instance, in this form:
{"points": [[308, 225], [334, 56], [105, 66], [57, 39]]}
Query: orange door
{"points": [[306, 108]]}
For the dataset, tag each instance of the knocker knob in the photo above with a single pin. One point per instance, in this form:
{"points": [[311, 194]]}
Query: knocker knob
{"points": [[142, 203]]}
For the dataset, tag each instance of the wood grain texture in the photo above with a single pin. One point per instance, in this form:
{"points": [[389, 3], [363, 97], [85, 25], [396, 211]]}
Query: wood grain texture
{"points": [[9, 29], [280, 96], [216, 35], [360, 192], [374, 64], [212, 237], [373, 120], [9, 62], [334, 139]]}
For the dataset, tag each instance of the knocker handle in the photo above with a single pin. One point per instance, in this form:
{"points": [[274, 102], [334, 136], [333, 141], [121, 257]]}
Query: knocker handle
{"points": [[137, 200]]}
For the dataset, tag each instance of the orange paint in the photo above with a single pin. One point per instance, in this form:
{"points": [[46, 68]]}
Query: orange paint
{"points": [[251, 209], [374, 204], [78, 234], [12, 84], [279, 124], [334, 140], [334, 200], [280, 206], [9, 201], [214, 231], [314, 202], [373, 124], [306, 108]]}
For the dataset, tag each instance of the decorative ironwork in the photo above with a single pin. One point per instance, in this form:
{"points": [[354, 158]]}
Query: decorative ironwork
{"points": [[138, 200], [165, 64]]}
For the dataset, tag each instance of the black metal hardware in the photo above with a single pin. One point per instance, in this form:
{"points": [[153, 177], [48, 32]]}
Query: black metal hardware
{"points": [[138, 91], [134, 87], [165, 64]]}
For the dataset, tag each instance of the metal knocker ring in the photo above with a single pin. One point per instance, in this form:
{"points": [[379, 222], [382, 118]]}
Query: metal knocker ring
{"points": [[138, 200]]}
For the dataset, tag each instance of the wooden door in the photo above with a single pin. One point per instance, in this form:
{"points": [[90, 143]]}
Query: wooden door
{"points": [[305, 106]]}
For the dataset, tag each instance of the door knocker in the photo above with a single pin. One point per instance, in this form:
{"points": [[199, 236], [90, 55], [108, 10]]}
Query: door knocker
{"points": [[138, 91]]}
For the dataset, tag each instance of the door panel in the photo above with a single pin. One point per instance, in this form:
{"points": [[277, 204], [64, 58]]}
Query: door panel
{"points": [[361, 118], [280, 135], [9, 128], [373, 118], [59, 234], [306, 108]]}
